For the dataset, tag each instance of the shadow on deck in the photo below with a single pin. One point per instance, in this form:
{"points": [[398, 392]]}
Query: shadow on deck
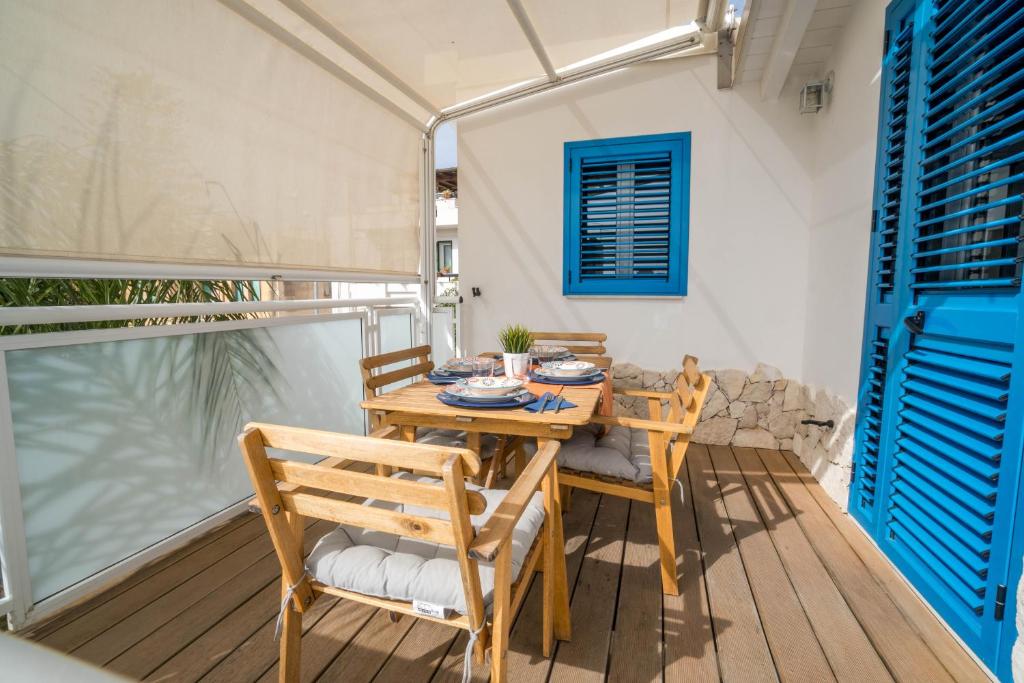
{"points": [[776, 583]]}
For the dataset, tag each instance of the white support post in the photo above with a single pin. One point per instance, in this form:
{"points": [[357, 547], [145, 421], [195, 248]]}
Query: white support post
{"points": [[13, 547]]}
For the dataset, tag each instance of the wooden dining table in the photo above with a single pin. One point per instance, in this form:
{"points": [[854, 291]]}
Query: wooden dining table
{"points": [[416, 405]]}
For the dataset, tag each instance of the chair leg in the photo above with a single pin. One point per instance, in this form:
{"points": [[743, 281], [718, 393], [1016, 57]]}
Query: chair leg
{"points": [[495, 465], [520, 458], [666, 540], [502, 622], [556, 620], [291, 646]]}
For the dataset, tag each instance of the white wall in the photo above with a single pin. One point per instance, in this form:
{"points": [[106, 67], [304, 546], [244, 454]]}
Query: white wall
{"points": [[845, 138], [750, 217]]}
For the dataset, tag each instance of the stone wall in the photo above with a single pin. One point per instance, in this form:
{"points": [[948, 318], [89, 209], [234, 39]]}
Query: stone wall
{"points": [[761, 409]]}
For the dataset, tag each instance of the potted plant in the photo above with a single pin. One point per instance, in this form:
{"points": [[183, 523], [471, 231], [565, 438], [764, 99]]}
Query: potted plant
{"points": [[516, 341]]}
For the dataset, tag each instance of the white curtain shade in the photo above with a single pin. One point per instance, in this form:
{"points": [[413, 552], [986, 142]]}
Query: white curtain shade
{"points": [[180, 133]]}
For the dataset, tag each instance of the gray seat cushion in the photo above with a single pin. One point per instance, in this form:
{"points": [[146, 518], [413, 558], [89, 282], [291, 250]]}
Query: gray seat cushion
{"points": [[622, 453], [456, 439], [401, 568]]}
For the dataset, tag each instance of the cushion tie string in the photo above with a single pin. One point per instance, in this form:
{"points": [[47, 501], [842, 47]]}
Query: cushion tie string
{"points": [[288, 595], [467, 661]]}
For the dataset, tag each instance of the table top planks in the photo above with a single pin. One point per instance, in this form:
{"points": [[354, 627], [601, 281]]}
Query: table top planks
{"points": [[421, 398]]}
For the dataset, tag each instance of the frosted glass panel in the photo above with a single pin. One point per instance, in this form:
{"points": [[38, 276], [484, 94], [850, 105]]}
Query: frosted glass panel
{"points": [[395, 332], [395, 335], [122, 444], [442, 334]]}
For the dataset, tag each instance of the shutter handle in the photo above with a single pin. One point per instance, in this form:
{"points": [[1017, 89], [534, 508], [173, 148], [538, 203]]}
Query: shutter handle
{"points": [[915, 323]]}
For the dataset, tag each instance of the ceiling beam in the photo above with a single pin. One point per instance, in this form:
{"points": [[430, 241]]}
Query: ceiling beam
{"points": [[344, 42], [788, 36], [531, 35]]}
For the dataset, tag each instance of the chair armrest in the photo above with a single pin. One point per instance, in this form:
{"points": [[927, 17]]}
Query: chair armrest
{"points": [[637, 423], [499, 526], [663, 395]]}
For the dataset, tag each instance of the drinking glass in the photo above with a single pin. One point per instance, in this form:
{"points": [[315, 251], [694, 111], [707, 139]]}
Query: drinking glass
{"points": [[483, 367]]}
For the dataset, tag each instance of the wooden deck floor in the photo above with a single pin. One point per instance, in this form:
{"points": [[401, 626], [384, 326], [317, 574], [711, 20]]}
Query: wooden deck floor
{"points": [[777, 584]]}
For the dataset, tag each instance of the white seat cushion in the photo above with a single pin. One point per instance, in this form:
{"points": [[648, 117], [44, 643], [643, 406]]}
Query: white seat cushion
{"points": [[622, 453], [401, 568], [456, 439]]}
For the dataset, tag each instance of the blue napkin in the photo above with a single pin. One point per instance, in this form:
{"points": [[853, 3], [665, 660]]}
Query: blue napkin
{"points": [[548, 400]]}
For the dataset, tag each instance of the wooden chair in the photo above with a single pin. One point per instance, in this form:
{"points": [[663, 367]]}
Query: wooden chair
{"points": [[667, 438], [376, 378], [588, 346], [438, 514]]}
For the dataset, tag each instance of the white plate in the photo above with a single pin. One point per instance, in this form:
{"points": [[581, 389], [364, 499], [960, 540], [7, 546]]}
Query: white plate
{"points": [[463, 392], [492, 386], [568, 368], [545, 352], [542, 372]]}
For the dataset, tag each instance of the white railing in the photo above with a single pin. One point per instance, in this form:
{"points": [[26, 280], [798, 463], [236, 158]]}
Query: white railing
{"points": [[78, 408]]}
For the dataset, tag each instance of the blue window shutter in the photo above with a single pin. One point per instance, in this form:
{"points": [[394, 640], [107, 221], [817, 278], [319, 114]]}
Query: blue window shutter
{"points": [[626, 223]]}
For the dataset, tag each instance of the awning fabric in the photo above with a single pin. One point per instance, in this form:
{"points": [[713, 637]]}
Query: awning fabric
{"points": [[176, 132]]}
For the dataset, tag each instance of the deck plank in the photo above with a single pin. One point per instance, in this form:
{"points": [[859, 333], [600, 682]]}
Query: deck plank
{"points": [[960, 665], [743, 652], [594, 599], [111, 612], [795, 648], [204, 653], [689, 639], [902, 649], [328, 637], [163, 643], [420, 655], [847, 648], [369, 650], [636, 649], [143, 574], [258, 652], [525, 663]]}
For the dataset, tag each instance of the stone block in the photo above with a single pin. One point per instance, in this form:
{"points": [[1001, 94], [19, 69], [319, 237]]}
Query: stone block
{"points": [[731, 382], [754, 438], [757, 392], [765, 373], [716, 431]]}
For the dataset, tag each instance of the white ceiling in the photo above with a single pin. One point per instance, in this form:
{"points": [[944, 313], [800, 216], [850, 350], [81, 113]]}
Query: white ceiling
{"points": [[450, 51], [759, 39]]}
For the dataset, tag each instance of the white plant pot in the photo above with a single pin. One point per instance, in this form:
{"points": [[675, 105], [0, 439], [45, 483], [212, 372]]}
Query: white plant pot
{"points": [[517, 365]]}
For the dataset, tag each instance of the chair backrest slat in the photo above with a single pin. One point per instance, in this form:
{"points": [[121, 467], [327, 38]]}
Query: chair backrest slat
{"points": [[429, 459], [590, 349], [369, 485], [378, 361], [375, 382], [364, 516]]}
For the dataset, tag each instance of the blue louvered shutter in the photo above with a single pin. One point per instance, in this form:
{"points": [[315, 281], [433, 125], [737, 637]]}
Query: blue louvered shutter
{"points": [[946, 488], [626, 215], [888, 215]]}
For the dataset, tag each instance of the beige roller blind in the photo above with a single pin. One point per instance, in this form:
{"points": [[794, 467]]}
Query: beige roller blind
{"points": [[177, 132]]}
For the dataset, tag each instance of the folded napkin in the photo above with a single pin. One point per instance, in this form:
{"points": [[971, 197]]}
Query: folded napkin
{"points": [[548, 401]]}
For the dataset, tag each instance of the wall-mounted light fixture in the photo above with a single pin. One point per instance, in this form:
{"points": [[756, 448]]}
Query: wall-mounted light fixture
{"points": [[815, 95]]}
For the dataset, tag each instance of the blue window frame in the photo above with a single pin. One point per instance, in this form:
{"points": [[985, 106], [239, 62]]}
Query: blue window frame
{"points": [[627, 215]]}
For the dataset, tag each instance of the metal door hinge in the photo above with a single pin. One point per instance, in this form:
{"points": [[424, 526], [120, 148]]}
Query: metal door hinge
{"points": [[853, 471], [1000, 602]]}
